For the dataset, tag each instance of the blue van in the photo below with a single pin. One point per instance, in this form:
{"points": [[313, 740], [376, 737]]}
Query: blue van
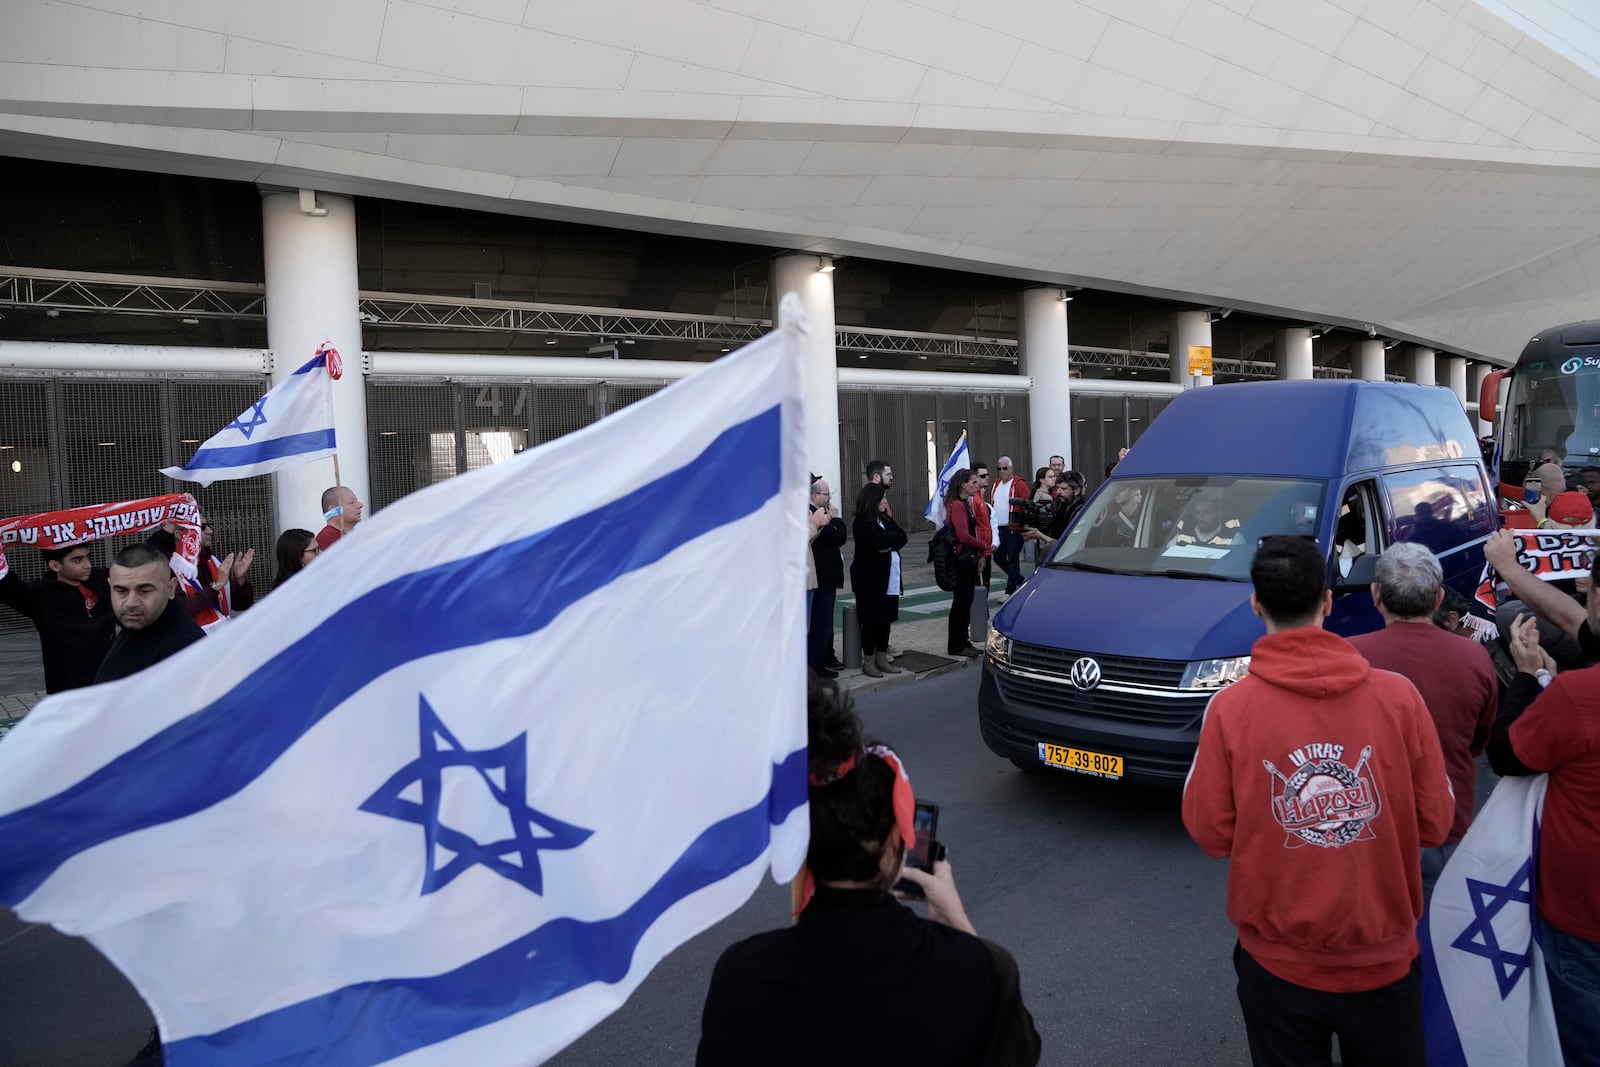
{"points": [[1103, 662]]}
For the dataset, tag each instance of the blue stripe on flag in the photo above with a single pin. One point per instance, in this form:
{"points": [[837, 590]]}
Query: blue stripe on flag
{"points": [[261, 451], [511, 590], [1438, 1024], [371, 1022], [318, 360]]}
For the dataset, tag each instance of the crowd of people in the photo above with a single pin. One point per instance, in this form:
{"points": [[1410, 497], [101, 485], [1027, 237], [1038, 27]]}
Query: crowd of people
{"points": [[991, 524], [1338, 777], [98, 624]]}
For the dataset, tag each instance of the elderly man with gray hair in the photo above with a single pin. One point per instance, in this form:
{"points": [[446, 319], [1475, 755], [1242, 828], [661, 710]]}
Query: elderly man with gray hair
{"points": [[1454, 675]]}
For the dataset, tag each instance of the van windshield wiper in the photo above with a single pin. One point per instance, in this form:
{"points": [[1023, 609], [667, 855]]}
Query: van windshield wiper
{"points": [[1200, 575], [1076, 566]]}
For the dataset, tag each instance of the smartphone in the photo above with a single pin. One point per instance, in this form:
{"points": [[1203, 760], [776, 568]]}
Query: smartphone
{"points": [[924, 850]]}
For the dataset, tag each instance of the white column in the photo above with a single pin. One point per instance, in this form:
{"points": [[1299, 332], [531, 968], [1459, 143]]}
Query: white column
{"points": [[1478, 372], [800, 275], [311, 298], [1045, 358], [1455, 375], [1294, 353], [1188, 328], [1421, 369], [1369, 361]]}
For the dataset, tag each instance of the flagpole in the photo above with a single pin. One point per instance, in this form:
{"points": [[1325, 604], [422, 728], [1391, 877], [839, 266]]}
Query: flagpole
{"points": [[338, 493]]}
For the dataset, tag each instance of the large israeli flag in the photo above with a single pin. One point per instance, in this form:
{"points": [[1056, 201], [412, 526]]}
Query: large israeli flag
{"points": [[292, 424], [1486, 997], [934, 512], [450, 796]]}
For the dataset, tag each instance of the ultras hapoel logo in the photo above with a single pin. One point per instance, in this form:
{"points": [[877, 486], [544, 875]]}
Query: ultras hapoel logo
{"points": [[1325, 802]]}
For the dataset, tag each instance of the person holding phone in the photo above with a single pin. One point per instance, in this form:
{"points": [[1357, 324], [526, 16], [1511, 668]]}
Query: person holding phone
{"points": [[859, 977]]}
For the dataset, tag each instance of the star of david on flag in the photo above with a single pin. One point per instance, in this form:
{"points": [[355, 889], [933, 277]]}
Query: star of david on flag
{"points": [[409, 812], [427, 771], [934, 512], [290, 425], [1486, 998]]}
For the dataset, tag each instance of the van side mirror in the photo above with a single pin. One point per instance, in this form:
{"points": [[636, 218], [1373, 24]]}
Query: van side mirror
{"points": [[1363, 572], [1489, 397]]}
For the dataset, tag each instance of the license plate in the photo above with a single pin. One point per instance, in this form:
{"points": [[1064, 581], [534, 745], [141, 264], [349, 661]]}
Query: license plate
{"points": [[1076, 759]]}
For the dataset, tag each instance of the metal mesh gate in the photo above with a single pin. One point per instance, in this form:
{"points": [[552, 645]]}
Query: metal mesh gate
{"points": [[71, 441], [422, 431], [914, 432]]}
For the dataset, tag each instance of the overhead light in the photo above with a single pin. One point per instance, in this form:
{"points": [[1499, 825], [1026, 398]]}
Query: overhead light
{"points": [[387, 433], [367, 316], [108, 444], [549, 340], [1387, 345], [825, 265], [1065, 297], [6, 448], [727, 350], [16, 466], [52, 313], [190, 322], [190, 441]]}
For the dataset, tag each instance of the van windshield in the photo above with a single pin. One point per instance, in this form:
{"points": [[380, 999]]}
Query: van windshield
{"points": [[1188, 527]]}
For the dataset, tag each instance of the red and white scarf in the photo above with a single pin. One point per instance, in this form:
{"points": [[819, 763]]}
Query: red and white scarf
{"points": [[74, 526]]}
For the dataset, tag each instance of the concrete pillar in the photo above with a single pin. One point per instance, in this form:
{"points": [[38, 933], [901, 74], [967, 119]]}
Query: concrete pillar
{"points": [[1455, 375], [800, 275], [1294, 353], [1420, 368], [1369, 361], [1476, 374], [310, 252], [1189, 328], [1044, 356]]}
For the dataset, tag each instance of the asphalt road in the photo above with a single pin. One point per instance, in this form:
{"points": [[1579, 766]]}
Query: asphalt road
{"points": [[1113, 914]]}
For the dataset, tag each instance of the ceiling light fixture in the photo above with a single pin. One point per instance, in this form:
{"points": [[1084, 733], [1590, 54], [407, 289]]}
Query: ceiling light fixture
{"points": [[825, 265]]}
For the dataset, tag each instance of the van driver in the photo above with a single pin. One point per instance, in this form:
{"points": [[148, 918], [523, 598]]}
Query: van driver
{"points": [[1205, 524]]}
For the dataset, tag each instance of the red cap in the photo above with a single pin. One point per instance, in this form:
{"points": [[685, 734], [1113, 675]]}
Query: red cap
{"points": [[1571, 508]]}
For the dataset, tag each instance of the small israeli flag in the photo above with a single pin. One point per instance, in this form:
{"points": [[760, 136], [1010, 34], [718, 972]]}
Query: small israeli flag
{"points": [[1485, 994], [291, 424], [934, 512], [452, 800]]}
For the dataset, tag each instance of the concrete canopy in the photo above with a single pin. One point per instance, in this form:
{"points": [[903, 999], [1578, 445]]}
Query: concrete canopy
{"points": [[1429, 167]]}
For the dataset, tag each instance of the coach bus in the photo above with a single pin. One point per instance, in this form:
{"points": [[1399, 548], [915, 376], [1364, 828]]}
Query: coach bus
{"points": [[1553, 401]]}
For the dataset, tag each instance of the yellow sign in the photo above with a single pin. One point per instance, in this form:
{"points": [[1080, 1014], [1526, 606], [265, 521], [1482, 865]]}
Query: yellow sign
{"points": [[1200, 360]]}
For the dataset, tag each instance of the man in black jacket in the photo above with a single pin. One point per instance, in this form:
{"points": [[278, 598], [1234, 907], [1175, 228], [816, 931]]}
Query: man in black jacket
{"points": [[830, 579], [154, 627], [71, 608]]}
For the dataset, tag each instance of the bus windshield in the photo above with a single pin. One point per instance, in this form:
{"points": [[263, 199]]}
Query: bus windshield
{"points": [[1555, 404], [1187, 527]]}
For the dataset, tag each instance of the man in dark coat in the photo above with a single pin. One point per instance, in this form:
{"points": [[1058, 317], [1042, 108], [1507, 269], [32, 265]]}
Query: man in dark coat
{"points": [[143, 592], [830, 579]]}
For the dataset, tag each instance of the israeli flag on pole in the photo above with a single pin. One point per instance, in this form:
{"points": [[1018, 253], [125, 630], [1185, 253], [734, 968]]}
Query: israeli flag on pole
{"points": [[451, 796], [1485, 994], [934, 512], [292, 424]]}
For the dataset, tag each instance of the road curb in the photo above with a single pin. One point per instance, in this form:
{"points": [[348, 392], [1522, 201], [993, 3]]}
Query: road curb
{"points": [[859, 683]]}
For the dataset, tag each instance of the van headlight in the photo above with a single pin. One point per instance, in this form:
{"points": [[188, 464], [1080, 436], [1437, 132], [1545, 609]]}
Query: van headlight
{"points": [[999, 648], [1214, 673]]}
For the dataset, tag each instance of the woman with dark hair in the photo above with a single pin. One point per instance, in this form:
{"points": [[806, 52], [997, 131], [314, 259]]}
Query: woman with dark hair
{"points": [[963, 520], [875, 577], [295, 549], [859, 977]]}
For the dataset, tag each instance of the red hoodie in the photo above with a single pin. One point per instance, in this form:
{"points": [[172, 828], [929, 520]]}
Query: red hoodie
{"points": [[1322, 777]]}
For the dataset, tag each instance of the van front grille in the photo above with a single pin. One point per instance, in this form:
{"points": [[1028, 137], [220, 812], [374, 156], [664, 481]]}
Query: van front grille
{"points": [[1133, 670]]}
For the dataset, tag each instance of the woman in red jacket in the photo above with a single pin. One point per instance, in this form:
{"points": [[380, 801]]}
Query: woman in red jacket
{"points": [[964, 523]]}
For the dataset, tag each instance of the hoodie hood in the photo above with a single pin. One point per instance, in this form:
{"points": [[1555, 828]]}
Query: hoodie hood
{"points": [[1308, 660]]}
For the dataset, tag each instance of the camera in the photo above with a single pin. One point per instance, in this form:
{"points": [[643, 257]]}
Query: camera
{"points": [[1026, 512]]}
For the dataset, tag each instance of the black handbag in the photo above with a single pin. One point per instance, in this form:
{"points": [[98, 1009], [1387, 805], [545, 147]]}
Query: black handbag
{"points": [[941, 553]]}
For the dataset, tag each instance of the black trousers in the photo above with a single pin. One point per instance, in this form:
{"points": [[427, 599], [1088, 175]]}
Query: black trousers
{"points": [[1291, 1026], [960, 614], [874, 638], [819, 631]]}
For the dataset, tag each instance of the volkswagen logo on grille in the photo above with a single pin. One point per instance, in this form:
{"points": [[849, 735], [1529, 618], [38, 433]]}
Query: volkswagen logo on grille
{"points": [[1086, 673]]}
